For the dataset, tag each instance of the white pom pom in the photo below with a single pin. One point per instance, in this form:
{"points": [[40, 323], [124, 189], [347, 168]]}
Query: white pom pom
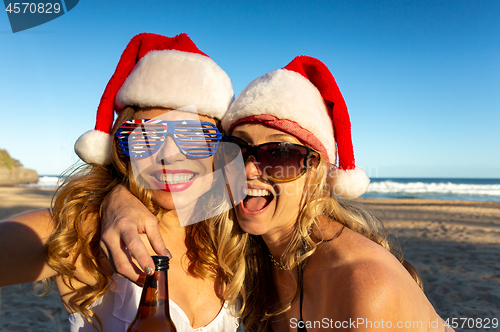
{"points": [[94, 147], [350, 183]]}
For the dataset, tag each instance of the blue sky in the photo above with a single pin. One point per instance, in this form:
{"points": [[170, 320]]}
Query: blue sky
{"points": [[421, 79]]}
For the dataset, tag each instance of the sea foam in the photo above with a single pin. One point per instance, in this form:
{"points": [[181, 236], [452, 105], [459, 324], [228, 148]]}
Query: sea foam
{"points": [[46, 182], [448, 188]]}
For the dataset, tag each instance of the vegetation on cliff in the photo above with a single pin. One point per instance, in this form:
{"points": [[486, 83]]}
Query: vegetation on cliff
{"points": [[13, 173], [6, 161]]}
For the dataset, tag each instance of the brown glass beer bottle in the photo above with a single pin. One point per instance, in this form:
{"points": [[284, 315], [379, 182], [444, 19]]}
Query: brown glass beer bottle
{"points": [[154, 313]]}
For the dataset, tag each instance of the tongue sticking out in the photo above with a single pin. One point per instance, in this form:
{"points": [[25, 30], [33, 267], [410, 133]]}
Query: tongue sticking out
{"points": [[256, 203]]}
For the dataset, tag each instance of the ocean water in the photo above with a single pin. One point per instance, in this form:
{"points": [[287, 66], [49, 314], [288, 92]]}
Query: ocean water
{"points": [[435, 188], [45, 182]]}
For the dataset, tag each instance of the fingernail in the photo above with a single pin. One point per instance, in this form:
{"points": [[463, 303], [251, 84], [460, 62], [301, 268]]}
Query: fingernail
{"points": [[149, 270], [167, 253]]}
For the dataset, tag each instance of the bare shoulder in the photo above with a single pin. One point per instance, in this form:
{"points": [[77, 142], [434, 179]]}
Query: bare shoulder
{"points": [[371, 282], [353, 252], [372, 286], [40, 221]]}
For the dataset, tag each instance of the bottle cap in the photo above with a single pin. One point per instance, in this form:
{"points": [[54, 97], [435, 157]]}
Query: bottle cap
{"points": [[161, 262]]}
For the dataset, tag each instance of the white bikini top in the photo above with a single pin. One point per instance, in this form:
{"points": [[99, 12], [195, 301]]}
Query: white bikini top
{"points": [[118, 307]]}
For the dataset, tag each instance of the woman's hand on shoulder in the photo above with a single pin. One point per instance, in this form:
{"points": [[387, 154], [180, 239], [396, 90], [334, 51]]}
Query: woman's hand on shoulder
{"points": [[124, 219], [22, 247]]}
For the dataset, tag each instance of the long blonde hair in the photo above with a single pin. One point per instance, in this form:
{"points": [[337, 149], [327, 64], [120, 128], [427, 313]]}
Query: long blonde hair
{"points": [[318, 200], [216, 248]]}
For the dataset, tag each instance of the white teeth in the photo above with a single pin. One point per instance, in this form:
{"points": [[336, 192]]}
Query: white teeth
{"points": [[174, 178], [256, 192]]}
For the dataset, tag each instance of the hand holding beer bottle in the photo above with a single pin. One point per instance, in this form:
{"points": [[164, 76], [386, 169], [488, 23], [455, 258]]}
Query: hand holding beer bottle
{"points": [[154, 312]]}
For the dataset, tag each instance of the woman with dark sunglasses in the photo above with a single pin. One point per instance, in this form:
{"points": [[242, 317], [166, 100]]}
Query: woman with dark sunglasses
{"points": [[317, 261], [169, 97]]}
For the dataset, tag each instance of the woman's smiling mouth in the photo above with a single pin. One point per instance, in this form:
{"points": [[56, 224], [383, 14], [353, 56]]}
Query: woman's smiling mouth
{"points": [[173, 180], [256, 200]]}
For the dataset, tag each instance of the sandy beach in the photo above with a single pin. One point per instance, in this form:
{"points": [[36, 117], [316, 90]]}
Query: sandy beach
{"points": [[455, 245]]}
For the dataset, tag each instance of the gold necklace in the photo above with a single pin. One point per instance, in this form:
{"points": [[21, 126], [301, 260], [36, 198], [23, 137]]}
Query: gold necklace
{"points": [[275, 262]]}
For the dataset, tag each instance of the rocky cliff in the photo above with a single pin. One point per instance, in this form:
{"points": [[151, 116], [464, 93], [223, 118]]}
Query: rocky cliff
{"points": [[12, 171]]}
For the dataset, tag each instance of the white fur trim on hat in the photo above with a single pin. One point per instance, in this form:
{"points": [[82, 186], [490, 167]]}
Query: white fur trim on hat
{"points": [[94, 147], [349, 183], [175, 79], [286, 94]]}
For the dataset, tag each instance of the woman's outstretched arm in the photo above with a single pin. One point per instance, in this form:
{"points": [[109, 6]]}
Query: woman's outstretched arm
{"points": [[22, 247]]}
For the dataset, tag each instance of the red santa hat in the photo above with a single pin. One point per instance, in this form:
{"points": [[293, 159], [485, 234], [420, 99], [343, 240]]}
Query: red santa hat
{"points": [[157, 71], [304, 100]]}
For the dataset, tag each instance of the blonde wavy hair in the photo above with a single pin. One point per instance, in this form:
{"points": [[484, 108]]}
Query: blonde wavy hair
{"points": [[216, 247], [318, 200]]}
